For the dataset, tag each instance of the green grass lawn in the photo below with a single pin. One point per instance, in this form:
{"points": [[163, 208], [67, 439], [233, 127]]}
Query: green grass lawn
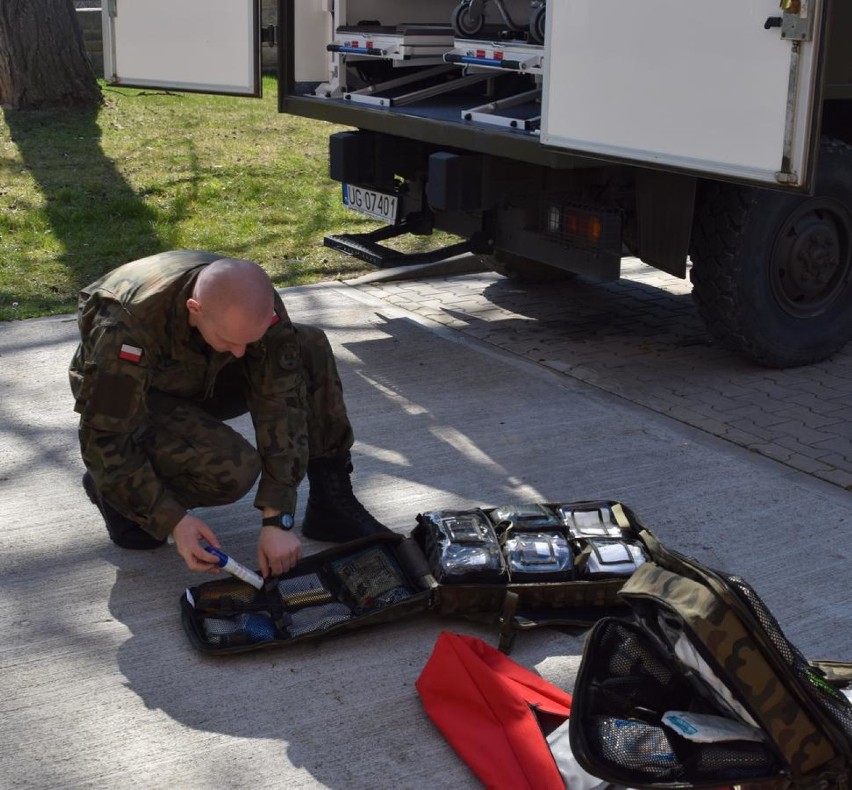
{"points": [[82, 192]]}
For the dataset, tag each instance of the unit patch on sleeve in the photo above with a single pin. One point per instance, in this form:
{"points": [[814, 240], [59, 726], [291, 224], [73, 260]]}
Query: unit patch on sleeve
{"points": [[115, 396]]}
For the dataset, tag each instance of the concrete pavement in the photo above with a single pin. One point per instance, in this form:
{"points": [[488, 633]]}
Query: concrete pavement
{"points": [[99, 686]]}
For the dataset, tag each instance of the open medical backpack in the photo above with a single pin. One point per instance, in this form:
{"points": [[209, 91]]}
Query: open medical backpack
{"points": [[702, 643], [519, 567]]}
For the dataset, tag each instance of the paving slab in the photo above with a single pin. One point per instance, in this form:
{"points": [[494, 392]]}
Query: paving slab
{"points": [[100, 688]]}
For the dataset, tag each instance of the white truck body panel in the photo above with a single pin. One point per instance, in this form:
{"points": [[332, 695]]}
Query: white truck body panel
{"points": [[314, 23], [207, 45], [678, 83], [204, 45]]}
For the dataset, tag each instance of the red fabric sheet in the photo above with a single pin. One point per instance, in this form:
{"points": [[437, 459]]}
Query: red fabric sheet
{"points": [[482, 702]]}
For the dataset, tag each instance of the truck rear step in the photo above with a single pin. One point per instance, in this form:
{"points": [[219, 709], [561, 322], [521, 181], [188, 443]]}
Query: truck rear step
{"points": [[366, 247]]}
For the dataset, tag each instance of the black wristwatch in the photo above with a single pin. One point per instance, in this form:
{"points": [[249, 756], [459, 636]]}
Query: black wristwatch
{"points": [[282, 520]]}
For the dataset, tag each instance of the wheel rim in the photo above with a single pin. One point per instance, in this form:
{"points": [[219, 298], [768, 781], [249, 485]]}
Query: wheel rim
{"points": [[464, 22], [811, 258], [538, 25], [469, 25]]}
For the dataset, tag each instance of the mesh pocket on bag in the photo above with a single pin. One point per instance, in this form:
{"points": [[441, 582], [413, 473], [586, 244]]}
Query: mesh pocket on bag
{"points": [[303, 590], [832, 701], [316, 618], [728, 761], [244, 629], [649, 752], [639, 747], [630, 657], [621, 696]]}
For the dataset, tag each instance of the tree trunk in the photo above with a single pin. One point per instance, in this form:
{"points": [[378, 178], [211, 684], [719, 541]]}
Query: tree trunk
{"points": [[43, 62]]}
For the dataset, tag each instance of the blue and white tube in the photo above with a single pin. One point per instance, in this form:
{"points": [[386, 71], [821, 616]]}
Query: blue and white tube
{"points": [[235, 568]]}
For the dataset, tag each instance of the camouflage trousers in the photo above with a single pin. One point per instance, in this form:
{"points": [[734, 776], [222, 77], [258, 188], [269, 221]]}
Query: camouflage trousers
{"points": [[205, 462]]}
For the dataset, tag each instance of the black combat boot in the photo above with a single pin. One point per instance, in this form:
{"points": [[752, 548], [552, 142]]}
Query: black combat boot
{"points": [[122, 531], [333, 513]]}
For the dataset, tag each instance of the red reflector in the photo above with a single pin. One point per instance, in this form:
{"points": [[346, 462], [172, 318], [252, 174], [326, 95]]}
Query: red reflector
{"points": [[584, 226], [480, 53], [498, 56]]}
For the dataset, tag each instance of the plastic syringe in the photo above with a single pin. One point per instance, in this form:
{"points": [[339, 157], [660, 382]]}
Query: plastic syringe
{"points": [[235, 568]]}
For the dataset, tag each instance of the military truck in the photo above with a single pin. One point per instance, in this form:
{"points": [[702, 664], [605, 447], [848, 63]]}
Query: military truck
{"points": [[712, 139]]}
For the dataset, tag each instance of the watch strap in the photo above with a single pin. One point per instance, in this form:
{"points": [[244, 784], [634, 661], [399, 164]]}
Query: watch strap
{"points": [[282, 521]]}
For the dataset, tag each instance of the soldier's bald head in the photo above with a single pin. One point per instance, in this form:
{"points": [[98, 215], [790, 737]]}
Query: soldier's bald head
{"points": [[231, 282], [232, 304]]}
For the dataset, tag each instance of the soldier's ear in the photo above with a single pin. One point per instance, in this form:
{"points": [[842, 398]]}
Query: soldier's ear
{"points": [[193, 306]]}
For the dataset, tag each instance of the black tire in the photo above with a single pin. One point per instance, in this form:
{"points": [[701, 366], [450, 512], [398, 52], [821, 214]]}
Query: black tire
{"points": [[772, 271], [537, 24], [526, 270], [465, 25]]}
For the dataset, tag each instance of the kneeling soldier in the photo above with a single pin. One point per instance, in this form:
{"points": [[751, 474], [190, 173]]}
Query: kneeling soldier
{"points": [[172, 345]]}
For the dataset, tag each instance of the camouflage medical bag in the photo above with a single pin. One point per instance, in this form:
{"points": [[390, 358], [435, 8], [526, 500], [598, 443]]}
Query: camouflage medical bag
{"points": [[521, 567], [700, 688]]}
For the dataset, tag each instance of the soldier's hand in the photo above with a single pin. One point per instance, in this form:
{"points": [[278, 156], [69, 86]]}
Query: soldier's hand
{"points": [[278, 550], [188, 534]]}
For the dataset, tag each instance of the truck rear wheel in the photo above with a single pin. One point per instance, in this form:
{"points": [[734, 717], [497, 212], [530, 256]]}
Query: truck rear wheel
{"points": [[772, 272]]}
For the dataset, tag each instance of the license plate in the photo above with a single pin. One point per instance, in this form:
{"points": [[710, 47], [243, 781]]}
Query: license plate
{"points": [[374, 204]]}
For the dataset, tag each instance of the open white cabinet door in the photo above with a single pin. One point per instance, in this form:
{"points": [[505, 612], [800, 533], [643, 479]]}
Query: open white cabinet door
{"points": [[724, 87], [210, 46]]}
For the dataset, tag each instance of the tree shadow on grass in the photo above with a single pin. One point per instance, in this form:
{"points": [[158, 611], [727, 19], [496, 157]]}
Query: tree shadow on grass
{"points": [[92, 211]]}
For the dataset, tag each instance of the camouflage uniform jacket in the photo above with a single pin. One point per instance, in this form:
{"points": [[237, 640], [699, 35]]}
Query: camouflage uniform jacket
{"points": [[136, 337]]}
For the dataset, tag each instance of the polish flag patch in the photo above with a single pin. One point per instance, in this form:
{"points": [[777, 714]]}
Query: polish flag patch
{"points": [[130, 353]]}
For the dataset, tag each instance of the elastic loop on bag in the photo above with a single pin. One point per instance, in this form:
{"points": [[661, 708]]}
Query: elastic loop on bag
{"points": [[507, 621]]}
